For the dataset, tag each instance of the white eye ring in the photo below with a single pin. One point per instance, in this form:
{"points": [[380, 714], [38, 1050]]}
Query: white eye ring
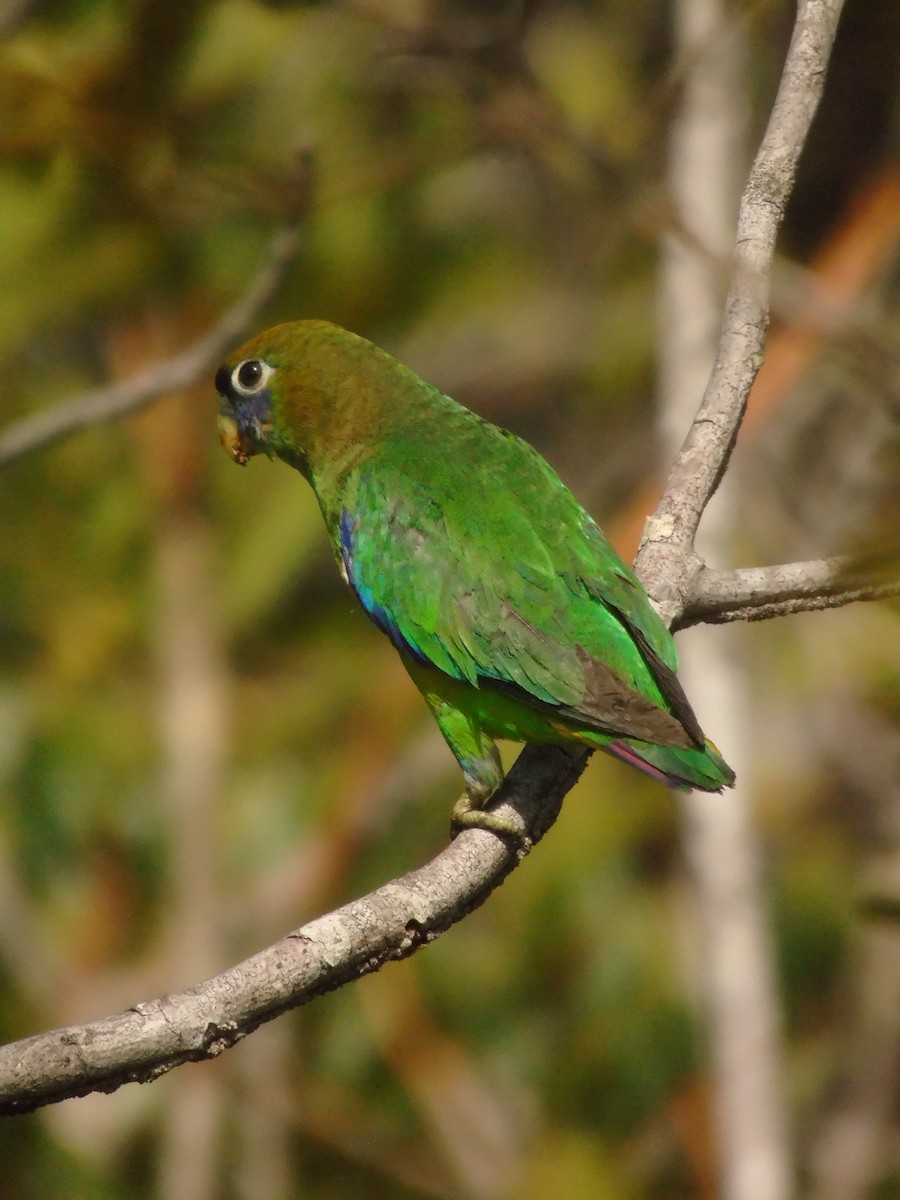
{"points": [[250, 377]]}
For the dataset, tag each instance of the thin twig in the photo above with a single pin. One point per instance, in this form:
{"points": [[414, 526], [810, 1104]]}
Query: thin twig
{"points": [[757, 593], [666, 561], [106, 403]]}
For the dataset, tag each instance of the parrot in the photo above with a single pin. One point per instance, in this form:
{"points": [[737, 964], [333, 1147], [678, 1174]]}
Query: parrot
{"points": [[512, 612]]}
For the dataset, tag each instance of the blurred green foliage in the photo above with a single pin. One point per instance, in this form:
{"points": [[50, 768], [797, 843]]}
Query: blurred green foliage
{"points": [[487, 198]]}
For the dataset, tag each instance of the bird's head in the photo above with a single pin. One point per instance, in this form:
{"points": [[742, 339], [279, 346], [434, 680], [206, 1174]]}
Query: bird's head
{"points": [[311, 393], [276, 391]]}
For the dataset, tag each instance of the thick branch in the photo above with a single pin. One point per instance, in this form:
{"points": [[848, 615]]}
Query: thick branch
{"points": [[158, 379], [757, 593], [666, 561], [391, 922]]}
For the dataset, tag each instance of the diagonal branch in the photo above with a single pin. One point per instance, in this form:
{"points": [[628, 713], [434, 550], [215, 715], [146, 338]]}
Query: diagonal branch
{"points": [[392, 922], [666, 561], [158, 379]]}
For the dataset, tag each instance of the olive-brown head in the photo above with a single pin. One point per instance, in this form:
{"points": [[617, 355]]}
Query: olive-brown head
{"points": [[313, 394]]}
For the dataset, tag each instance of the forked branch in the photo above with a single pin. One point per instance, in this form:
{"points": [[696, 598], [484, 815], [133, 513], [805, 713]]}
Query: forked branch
{"points": [[666, 563], [395, 920]]}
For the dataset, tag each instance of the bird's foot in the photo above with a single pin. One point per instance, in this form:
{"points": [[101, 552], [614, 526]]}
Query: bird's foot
{"points": [[468, 815]]}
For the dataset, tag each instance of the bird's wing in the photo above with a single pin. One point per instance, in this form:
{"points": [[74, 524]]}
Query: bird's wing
{"points": [[482, 595]]}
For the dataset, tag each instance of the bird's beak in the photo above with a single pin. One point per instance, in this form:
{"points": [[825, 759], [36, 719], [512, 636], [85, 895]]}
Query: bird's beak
{"points": [[237, 445], [230, 438], [244, 422]]}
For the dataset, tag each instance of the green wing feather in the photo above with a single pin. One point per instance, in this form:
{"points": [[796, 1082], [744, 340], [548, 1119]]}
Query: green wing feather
{"points": [[494, 574]]}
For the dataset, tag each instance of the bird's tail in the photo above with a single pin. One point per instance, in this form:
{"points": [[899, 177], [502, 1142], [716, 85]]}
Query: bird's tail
{"points": [[705, 768]]}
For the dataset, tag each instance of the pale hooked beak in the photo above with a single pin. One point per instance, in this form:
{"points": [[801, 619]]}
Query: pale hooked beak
{"points": [[233, 441]]}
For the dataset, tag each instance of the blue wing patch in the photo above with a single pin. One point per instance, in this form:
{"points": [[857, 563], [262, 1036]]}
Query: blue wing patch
{"points": [[367, 599]]}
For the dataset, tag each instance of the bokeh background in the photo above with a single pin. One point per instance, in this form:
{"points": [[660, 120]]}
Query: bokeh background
{"points": [[203, 742]]}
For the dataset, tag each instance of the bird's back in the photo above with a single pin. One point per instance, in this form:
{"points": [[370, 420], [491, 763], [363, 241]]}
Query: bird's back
{"points": [[484, 558]]}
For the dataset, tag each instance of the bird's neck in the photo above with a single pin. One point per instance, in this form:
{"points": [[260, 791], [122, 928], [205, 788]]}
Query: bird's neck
{"points": [[339, 415]]}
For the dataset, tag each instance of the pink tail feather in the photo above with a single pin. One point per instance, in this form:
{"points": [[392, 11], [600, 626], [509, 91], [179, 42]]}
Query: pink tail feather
{"points": [[629, 755]]}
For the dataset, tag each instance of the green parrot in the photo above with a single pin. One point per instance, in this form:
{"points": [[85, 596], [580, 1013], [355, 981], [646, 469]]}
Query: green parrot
{"points": [[511, 611]]}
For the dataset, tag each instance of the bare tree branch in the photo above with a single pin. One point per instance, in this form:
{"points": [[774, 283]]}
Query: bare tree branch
{"points": [[391, 922], [106, 403], [398, 918], [666, 561], [732, 960], [757, 593]]}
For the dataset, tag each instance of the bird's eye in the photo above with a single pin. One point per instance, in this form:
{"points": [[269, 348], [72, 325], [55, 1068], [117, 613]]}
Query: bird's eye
{"points": [[251, 376]]}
